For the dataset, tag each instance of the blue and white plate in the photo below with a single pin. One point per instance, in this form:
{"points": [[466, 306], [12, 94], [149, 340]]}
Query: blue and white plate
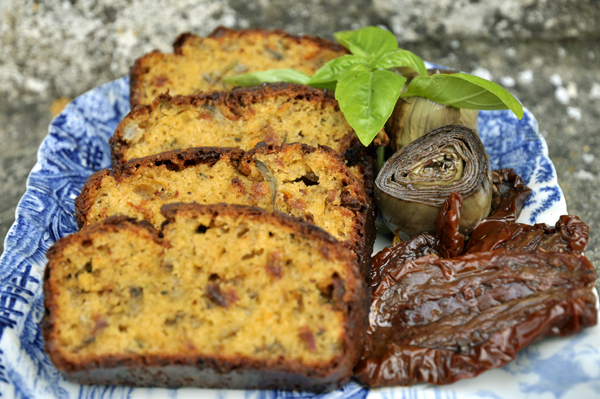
{"points": [[77, 146]]}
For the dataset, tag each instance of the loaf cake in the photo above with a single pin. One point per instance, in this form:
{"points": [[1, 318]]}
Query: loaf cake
{"points": [[229, 296], [305, 182], [199, 64]]}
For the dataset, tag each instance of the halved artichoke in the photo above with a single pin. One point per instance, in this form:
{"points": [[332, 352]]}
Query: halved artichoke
{"points": [[414, 183]]}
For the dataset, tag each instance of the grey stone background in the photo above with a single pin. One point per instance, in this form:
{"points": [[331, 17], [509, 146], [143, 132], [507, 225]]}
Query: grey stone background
{"points": [[546, 52]]}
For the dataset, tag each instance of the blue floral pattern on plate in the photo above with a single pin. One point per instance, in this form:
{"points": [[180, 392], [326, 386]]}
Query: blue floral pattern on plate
{"points": [[77, 146]]}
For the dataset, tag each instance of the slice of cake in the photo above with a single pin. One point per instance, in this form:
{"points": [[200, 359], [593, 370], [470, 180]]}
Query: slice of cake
{"points": [[200, 64], [302, 181], [271, 113], [229, 297], [274, 114]]}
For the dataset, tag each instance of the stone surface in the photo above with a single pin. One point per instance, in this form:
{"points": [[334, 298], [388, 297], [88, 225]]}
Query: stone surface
{"points": [[418, 20], [63, 48], [546, 52]]}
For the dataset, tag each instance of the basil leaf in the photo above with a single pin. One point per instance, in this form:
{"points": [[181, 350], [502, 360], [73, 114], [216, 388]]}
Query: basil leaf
{"points": [[463, 91], [367, 99], [271, 76], [332, 69], [326, 85], [367, 41], [401, 58]]}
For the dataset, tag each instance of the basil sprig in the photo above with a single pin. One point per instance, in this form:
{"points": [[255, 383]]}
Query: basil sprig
{"points": [[367, 90]]}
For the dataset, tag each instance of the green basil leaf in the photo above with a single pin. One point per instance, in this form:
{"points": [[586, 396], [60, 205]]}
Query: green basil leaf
{"points": [[367, 99], [367, 41], [332, 69], [463, 91], [271, 76], [401, 58]]}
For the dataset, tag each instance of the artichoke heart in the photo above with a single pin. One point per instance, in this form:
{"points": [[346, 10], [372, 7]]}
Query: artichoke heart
{"points": [[414, 183], [444, 167], [414, 116]]}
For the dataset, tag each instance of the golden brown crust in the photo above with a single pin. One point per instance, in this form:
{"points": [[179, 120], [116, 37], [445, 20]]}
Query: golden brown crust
{"points": [[82, 201], [180, 159], [216, 371], [138, 70]]}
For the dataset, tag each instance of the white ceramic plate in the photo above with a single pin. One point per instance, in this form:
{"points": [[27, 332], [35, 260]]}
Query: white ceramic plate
{"points": [[77, 146]]}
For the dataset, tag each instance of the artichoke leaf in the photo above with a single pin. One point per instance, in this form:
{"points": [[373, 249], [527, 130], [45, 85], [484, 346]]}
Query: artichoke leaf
{"points": [[414, 183]]}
